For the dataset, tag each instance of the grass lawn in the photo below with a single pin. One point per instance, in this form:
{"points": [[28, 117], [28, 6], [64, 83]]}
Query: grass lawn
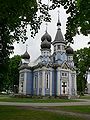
{"points": [[79, 109], [33, 100], [85, 97], [17, 113]]}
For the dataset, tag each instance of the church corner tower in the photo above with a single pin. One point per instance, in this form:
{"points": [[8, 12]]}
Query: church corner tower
{"points": [[25, 75]]}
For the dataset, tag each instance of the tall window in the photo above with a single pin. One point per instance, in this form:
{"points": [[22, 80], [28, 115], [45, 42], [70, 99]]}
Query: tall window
{"points": [[64, 74], [55, 48], [21, 86], [22, 76], [35, 82], [63, 47], [40, 80], [47, 81], [58, 47]]}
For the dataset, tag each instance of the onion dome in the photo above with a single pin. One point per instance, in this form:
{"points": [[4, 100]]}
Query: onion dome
{"points": [[47, 37], [45, 44], [25, 55], [69, 50]]}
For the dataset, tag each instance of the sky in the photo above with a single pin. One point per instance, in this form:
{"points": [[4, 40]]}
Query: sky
{"points": [[80, 41]]}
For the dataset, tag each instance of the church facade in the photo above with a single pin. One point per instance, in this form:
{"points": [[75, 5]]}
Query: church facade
{"points": [[50, 74]]}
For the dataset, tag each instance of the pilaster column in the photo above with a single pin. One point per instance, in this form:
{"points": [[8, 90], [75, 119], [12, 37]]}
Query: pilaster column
{"points": [[43, 83], [20, 83], [24, 82], [75, 84], [70, 83], [38, 84], [58, 82], [50, 83]]}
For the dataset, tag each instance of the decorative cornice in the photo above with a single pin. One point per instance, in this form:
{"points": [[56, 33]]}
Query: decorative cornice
{"points": [[24, 66]]}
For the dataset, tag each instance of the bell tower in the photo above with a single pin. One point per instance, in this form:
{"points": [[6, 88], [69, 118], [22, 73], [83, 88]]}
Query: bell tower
{"points": [[59, 45]]}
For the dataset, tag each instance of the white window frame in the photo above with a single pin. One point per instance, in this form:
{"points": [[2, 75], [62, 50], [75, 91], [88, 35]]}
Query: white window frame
{"points": [[35, 81], [47, 81]]}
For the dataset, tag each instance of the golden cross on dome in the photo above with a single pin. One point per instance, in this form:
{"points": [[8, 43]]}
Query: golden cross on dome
{"points": [[26, 47], [58, 15], [46, 27]]}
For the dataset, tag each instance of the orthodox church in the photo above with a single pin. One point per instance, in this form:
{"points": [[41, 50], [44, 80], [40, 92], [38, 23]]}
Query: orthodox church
{"points": [[50, 74]]}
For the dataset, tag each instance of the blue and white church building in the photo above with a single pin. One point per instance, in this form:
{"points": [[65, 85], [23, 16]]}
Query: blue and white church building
{"points": [[50, 74]]}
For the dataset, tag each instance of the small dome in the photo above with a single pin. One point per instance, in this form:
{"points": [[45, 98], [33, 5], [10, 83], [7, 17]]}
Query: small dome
{"points": [[69, 50], [47, 37], [45, 44], [25, 55]]}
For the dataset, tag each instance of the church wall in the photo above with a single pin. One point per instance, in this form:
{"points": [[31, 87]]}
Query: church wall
{"points": [[35, 83], [47, 87], [64, 76], [58, 82], [64, 57], [60, 57], [54, 82], [29, 83], [21, 79]]}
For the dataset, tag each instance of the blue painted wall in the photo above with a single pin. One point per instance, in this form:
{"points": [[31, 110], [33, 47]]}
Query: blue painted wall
{"points": [[35, 89], [29, 83], [54, 82]]}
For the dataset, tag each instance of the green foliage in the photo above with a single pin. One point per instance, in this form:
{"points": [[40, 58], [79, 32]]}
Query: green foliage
{"points": [[82, 63], [23, 99], [13, 72], [83, 16], [10, 74]]}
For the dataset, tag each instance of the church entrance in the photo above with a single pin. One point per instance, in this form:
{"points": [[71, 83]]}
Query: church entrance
{"points": [[64, 87]]}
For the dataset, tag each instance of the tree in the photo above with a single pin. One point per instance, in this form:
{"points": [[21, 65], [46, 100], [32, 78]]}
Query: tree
{"points": [[82, 63], [14, 17], [13, 73]]}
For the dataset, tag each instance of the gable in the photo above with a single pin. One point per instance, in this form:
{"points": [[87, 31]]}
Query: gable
{"points": [[65, 66]]}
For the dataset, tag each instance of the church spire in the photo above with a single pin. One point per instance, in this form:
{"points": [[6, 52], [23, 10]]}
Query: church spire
{"points": [[59, 37], [58, 23]]}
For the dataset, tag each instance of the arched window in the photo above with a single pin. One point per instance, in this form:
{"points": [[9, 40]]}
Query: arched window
{"points": [[47, 81], [58, 47], [55, 48], [22, 76], [63, 47], [40, 80], [35, 82]]}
